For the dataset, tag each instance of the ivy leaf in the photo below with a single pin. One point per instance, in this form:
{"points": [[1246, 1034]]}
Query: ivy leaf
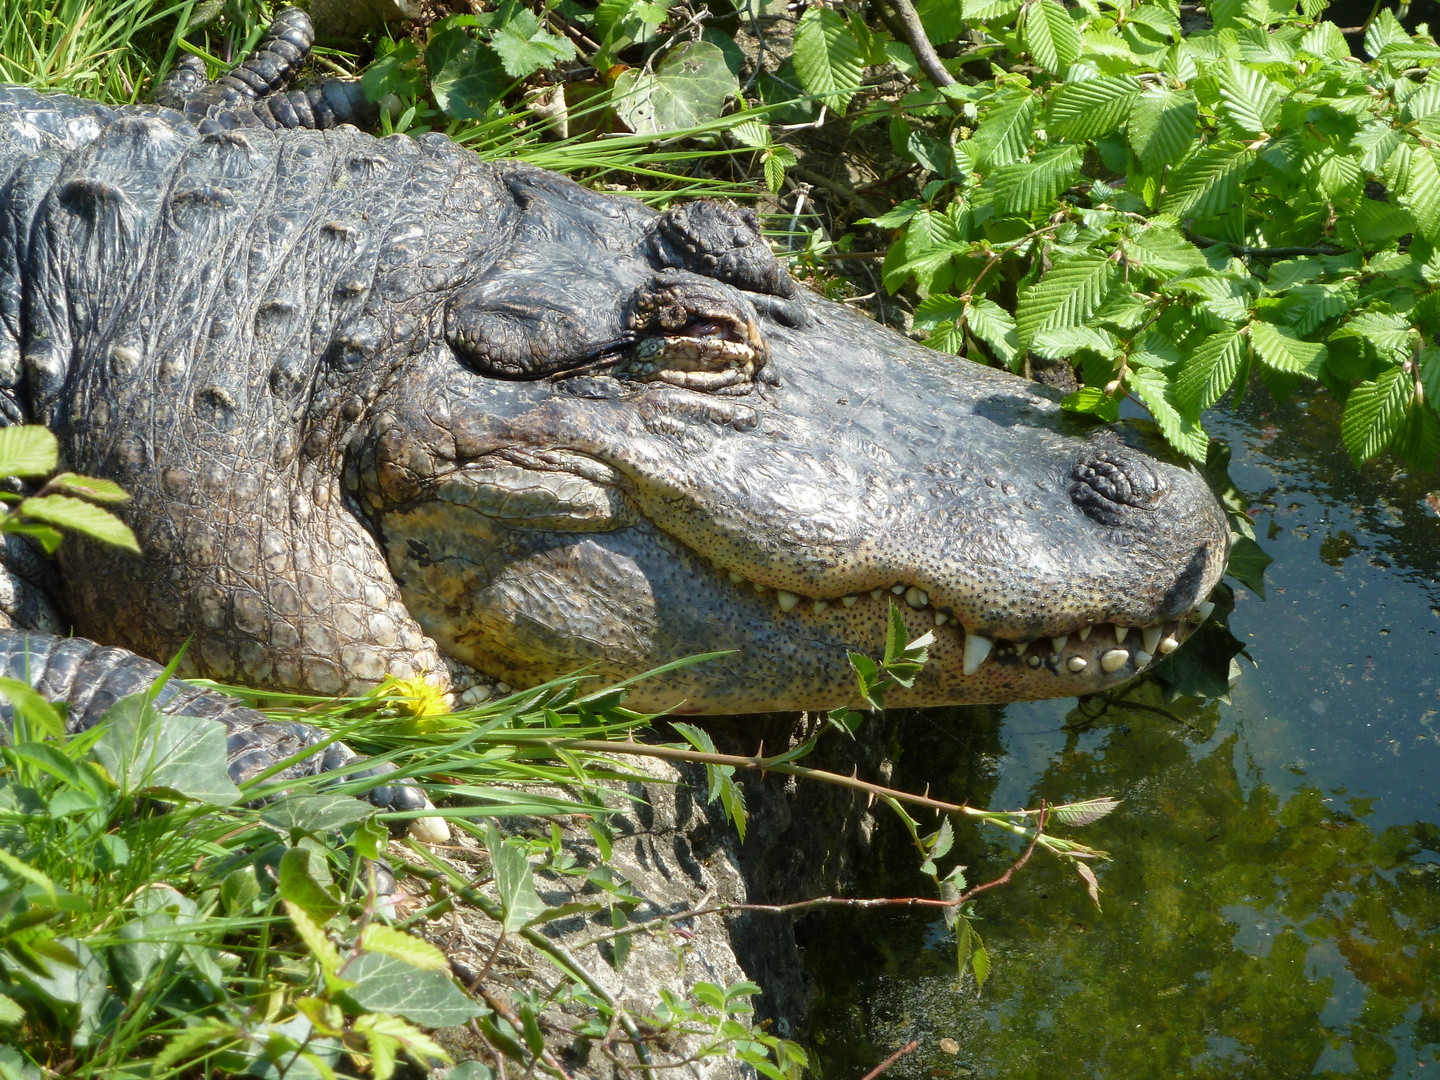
{"points": [[1248, 99], [828, 58], [514, 881], [1087, 110], [1207, 182], [1026, 186], [1050, 36], [1374, 413], [688, 88], [1209, 371], [1068, 295], [524, 46], [465, 77], [1282, 350], [1161, 127]]}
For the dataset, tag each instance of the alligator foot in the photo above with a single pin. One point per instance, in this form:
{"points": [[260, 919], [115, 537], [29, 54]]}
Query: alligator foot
{"points": [[90, 678], [253, 94]]}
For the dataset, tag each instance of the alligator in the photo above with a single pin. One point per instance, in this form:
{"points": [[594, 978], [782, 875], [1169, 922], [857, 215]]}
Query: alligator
{"points": [[389, 409]]}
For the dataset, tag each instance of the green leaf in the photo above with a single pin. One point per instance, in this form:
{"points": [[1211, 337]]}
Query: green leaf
{"points": [[827, 58], [1068, 295], [316, 814], [1078, 814], [1093, 401], [90, 487], [994, 325], [82, 517], [1248, 99], [1374, 412], [689, 88], [980, 964], [1004, 135], [10, 1011], [305, 881], [1063, 342], [1417, 182], [514, 881], [417, 952], [1282, 350], [524, 46], [1026, 186], [1389, 334], [1087, 110], [28, 450], [1384, 29], [465, 77], [384, 984], [1247, 564], [1050, 36], [33, 706], [180, 756], [1207, 183], [989, 9], [1161, 249], [1429, 361], [1209, 371], [1161, 127]]}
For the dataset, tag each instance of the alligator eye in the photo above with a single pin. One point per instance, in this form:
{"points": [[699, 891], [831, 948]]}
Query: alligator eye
{"points": [[707, 329]]}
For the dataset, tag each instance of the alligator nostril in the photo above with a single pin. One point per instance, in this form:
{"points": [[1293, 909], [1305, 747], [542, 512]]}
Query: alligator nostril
{"points": [[1113, 481]]}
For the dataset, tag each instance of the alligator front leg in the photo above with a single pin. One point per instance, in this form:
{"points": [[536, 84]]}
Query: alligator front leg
{"points": [[90, 678]]}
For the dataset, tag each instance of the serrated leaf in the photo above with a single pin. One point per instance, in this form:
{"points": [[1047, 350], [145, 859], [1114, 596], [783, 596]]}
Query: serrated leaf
{"points": [[994, 325], [385, 1034], [1417, 183], [1065, 341], [10, 1011], [1161, 249], [827, 58], [1384, 29], [28, 450], [1068, 295], [1024, 187], [1248, 99], [1083, 813], [1374, 412], [1429, 360], [1389, 334], [1087, 110], [1050, 36], [1004, 135], [989, 9], [980, 964], [1180, 431], [1209, 371], [1094, 402], [314, 937], [1282, 350], [1161, 127], [1092, 884], [90, 487], [417, 952], [1207, 183], [81, 517]]}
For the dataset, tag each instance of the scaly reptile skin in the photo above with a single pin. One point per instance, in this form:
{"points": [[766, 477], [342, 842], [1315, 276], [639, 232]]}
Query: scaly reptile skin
{"points": [[388, 408]]}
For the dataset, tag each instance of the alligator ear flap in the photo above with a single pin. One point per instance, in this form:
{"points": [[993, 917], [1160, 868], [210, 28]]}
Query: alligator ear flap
{"points": [[719, 241], [524, 324]]}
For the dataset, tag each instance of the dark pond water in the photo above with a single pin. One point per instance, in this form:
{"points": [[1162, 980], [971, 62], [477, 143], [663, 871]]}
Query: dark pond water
{"points": [[1273, 907]]}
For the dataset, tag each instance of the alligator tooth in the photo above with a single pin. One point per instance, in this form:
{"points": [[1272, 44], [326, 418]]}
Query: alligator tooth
{"points": [[977, 648], [1150, 638], [875, 594], [1034, 661], [1142, 658], [1113, 660], [821, 605], [1020, 647], [1059, 642], [503, 688], [788, 600], [1205, 608], [898, 589], [916, 598], [1085, 633], [757, 586], [1120, 632], [940, 618], [736, 579], [1077, 663], [849, 601], [1168, 645]]}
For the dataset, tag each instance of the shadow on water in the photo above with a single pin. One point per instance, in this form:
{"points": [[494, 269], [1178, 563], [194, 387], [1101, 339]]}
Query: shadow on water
{"points": [[1273, 908]]}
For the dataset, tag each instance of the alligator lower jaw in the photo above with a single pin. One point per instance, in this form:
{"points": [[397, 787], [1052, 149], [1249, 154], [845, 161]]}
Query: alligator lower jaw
{"points": [[1107, 650]]}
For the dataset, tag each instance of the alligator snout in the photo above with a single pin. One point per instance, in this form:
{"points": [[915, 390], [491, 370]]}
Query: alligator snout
{"points": [[1108, 483]]}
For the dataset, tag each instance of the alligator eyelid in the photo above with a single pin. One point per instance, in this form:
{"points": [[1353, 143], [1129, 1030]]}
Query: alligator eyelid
{"points": [[785, 312]]}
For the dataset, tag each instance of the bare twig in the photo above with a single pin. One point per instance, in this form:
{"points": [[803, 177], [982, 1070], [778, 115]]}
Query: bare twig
{"points": [[925, 54], [858, 201], [546, 1058], [896, 1056], [1264, 253]]}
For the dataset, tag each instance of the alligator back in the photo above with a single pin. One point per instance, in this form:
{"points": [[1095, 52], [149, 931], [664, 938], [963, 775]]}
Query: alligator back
{"points": [[204, 318]]}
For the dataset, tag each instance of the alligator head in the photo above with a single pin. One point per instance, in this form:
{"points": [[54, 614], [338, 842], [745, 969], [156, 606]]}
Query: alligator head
{"points": [[626, 453], [379, 401]]}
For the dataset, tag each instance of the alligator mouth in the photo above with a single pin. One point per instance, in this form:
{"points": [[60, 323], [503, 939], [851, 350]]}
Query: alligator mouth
{"points": [[1090, 647]]}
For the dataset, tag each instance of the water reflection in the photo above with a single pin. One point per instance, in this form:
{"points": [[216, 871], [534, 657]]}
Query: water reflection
{"points": [[1274, 902]]}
